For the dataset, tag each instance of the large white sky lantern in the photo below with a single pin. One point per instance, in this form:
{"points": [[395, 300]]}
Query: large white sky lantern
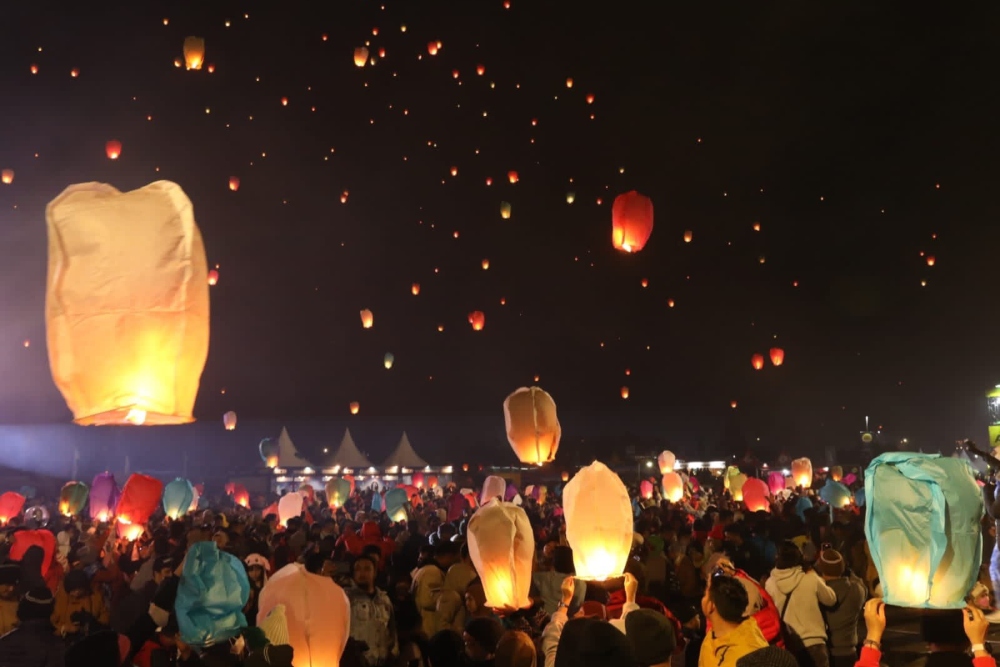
{"points": [[126, 304], [532, 425], [598, 522], [666, 461], [502, 548]]}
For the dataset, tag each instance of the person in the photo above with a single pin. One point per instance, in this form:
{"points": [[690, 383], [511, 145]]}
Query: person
{"points": [[842, 617], [32, 643], [588, 642], [515, 649], [373, 620], [652, 636], [10, 573], [481, 636], [799, 594], [428, 582], [732, 635]]}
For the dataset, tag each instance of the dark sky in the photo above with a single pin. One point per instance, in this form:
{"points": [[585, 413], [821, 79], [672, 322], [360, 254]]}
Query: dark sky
{"points": [[852, 132]]}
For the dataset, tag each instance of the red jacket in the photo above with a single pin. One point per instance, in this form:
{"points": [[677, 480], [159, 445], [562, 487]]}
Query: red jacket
{"points": [[617, 600], [370, 534]]}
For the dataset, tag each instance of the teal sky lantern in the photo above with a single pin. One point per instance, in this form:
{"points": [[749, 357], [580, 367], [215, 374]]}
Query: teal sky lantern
{"points": [[72, 498], [177, 498], [923, 528]]}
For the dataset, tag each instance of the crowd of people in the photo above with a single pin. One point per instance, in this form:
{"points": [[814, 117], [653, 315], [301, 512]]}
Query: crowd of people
{"points": [[707, 584]]}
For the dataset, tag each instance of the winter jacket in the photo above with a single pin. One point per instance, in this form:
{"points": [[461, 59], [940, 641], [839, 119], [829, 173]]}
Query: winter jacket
{"points": [[31, 645], [725, 651], [842, 618], [808, 591]]}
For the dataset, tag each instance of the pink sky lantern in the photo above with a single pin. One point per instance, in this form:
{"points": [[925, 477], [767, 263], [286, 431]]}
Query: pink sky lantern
{"points": [[646, 489], [776, 481], [11, 504]]}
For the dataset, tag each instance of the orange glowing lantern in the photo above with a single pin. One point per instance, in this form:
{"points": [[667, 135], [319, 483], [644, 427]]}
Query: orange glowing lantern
{"points": [[355, 407], [229, 420], [802, 472], [930, 260], [11, 504], [194, 52], [666, 461], [502, 548], [512, 176], [688, 235], [532, 425], [140, 498], [361, 56], [672, 485], [624, 392], [564, 476], [631, 221], [415, 289], [477, 319], [777, 356], [485, 264], [7, 176], [480, 69], [569, 82], [836, 473], [432, 48], [733, 404], [213, 277], [127, 312], [234, 183], [598, 514], [757, 361], [505, 210], [367, 319], [113, 149]]}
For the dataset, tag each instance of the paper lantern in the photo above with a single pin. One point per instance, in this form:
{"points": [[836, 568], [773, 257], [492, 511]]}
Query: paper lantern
{"points": [[757, 361], [666, 461], [417, 479], [835, 494], [836, 473], [72, 498], [25, 539], [570, 197], [502, 548], [103, 497], [477, 319], [388, 360], [11, 504], [289, 507], [178, 496], [775, 482], [673, 487], [533, 429], [624, 392], [397, 503], [354, 407], [229, 421], [213, 278], [307, 491], [598, 522], [126, 308], [923, 528], [241, 496], [431, 481], [317, 611], [631, 221], [415, 289], [755, 495], [777, 356], [7, 176], [268, 449], [564, 476], [736, 483], [140, 497], [802, 472], [646, 489], [195, 497], [505, 210], [688, 235], [234, 183], [337, 492], [493, 487], [212, 592], [361, 56], [367, 319], [194, 52], [113, 149], [512, 176], [731, 472]]}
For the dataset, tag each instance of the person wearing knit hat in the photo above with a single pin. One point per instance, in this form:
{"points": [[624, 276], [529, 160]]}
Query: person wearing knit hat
{"points": [[481, 638], [652, 637], [10, 574], [842, 617], [830, 564], [34, 635], [515, 649], [771, 656]]}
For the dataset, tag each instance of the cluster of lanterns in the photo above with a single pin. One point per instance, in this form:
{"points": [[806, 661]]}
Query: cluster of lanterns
{"points": [[777, 358]]}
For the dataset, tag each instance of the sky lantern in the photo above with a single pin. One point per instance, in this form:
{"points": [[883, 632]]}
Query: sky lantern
{"points": [[590, 98], [624, 392], [388, 360], [512, 176], [485, 264], [777, 356], [802, 472], [234, 183], [564, 476], [338, 491], [140, 497], [480, 69], [502, 549], [666, 461], [836, 473], [569, 82], [835, 494], [229, 420], [11, 504], [367, 319], [417, 479], [922, 526], [477, 319], [598, 514], [361, 56], [268, 449], [532, 425], [776, 481], [415, 289], [733, 404], [289, 507], [355, 407], [177, 498], [672, 485], [505, 210], [756, 495], [104, 496], [113, 149], [757, 361], [646, 489], [432, 48], [631, 221], [72, 498], [194, 52], [930, 260], [736, 483], [126, 308], [213, 277], [570, 197], [688, 235], [7, 176]]}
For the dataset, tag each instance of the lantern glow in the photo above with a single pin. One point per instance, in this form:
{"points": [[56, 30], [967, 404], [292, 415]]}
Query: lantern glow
{"points": [[672, 486], [532, 425], [666, 460], [802, 472], [502, 548], [631, 221], [598, 522]]}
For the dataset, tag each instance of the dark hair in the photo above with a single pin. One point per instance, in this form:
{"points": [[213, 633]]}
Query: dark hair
{"points": [[729, 597], [789, 556], [446, 548], [314, 563], [372, 550], [363, 558], [588, 641]]}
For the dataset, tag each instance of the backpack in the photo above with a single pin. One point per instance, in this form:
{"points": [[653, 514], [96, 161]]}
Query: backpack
{"points": [[793, 643]]}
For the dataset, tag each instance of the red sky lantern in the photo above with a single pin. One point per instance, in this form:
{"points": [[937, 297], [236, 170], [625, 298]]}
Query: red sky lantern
{"points": [[512, 176], [631, 221], [777, 356], [234, 183], [477, 319], [757, 361], [432, 48], [213, 277], [113, 149]]}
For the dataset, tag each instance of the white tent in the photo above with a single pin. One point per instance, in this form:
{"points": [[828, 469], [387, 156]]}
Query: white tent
{"points": [[348, 455], [404, 456], [288, 456]]}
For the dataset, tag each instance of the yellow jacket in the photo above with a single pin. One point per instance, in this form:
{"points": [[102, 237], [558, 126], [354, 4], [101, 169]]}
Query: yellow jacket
{"points": [[8, 616], [65, 607], [725, 651]]}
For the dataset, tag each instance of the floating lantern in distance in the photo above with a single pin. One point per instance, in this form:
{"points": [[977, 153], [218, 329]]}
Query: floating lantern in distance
{"points": [[432, 48], [229, 420], [598, 515], [480, 70], [113, 149], [532, 425], [564, 476], [415, 289], [688, 235], [733, 404], [502, 549], [72, 498], [570, 197], [666, 461], [777, 356], [505, 210], [234, 183], [367, 319], [388, 360], [930, 260], [512, 176], [755, 495], [194, 52], [631, 221], [569, 82], [361, 56], [802, 472], [624, 392], [269, 452], [355, 407], [757, 361], [213, 277], [477, 319], [485, 264], [7, 176], [112, 359]]}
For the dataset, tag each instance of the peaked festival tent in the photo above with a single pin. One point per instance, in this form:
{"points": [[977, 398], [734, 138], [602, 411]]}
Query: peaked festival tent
{"points": [[288, 455], [404, 456], [348, 455]]}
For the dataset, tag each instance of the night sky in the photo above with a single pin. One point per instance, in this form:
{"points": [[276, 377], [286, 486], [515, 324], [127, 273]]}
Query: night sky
{"points": [[853, 134]]}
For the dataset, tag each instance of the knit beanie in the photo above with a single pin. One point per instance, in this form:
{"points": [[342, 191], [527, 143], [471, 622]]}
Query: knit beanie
{"points": [[36, 604], [652, 636], [830, 563]]}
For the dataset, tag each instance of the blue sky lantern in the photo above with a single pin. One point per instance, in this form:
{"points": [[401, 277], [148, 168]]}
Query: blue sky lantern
{"points": [[177, 498], [923, 528], [396, 504], [835, 494]]}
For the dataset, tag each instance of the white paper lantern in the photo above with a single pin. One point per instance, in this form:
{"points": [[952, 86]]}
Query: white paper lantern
{"points": [[502, 548], [598, 522]]}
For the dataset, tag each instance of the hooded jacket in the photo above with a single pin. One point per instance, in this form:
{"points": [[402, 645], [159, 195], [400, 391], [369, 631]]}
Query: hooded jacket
{"points": [[725, 651], [808, 591]]}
